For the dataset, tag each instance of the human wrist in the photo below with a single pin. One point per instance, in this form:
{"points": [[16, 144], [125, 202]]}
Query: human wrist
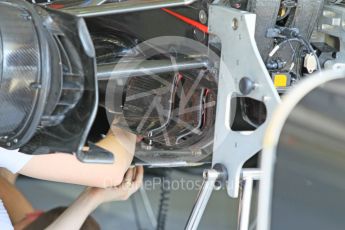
{"points": [[91, 197]]}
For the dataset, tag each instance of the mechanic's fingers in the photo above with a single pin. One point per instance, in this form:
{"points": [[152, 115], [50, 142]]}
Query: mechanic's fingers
{"points": [[139, 139], [139, 173], [128, 178], [134, 173], [138, 177]]}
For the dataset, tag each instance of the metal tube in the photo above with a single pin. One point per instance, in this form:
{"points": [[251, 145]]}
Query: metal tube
{"points": [[125, 7], [245, 204], [246, 191], [253, 173], [210, 177], [69, 4], [97, 2], [148, 208], [146, 67]]}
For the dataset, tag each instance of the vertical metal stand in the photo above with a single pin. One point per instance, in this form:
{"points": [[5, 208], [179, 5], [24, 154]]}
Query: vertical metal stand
{"points": [[214, 179], [246, 191], [148, 208]]}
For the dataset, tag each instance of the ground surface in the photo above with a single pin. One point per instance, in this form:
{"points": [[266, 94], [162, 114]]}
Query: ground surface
{"points": [[221, 212]]}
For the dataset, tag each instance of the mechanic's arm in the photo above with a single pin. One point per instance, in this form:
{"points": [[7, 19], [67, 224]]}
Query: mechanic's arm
{"points": [[76, 214], [67, 168]]}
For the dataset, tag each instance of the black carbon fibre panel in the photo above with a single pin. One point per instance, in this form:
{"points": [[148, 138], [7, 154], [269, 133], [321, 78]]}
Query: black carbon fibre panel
{"points": [[306, 16], [266, 16], [305, 19]]}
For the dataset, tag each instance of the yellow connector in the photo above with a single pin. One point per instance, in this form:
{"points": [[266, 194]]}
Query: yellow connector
{"points": [[280, 80]]}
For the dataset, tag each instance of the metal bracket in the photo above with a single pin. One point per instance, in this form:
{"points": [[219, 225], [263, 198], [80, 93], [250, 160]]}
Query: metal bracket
{"points": [[239, 58], [95, 155], [124, 7]]}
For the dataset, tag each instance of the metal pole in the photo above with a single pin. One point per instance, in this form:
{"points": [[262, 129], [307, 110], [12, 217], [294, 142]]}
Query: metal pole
{"points": [[125, 7], [210, 177], [146, 67], [97, 2], [69, 4], [246, 191], [245, 204], [148, 207]]}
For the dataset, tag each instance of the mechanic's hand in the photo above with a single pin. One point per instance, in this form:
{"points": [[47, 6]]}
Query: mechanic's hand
{"points": [[132, 181]]}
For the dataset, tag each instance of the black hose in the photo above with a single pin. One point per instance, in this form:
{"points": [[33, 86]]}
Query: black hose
{"points": [[164, 200]]}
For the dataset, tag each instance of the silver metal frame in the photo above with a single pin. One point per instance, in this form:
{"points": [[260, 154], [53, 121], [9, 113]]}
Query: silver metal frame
{"points": [[133, 68], [240, 58], [246, 192], [125, 7], [211, 176]]}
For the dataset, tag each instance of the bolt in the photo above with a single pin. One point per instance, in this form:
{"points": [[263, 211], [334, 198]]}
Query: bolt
{"points": [[266, 98], [205, 174], [35, 85], [234, 24], [246, 85], [199, 35], [202, 17], [26, 16], [218, 185]]}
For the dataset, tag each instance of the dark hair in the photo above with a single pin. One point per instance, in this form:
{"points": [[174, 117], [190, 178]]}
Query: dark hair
{"points": [[49, 217]]}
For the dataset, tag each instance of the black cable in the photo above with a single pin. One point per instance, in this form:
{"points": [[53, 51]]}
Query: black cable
{"points": [[307, 45], [303, 42], [291, 40], [279, 45], [293, 56], [164, 200]]}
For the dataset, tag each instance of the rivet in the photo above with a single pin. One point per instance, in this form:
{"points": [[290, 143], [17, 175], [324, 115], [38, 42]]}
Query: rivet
{"points": [[234, 24], [202, 17]]}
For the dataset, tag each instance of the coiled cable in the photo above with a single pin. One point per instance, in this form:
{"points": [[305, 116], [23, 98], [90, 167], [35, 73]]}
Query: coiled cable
{"points": [[164, 200]]}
